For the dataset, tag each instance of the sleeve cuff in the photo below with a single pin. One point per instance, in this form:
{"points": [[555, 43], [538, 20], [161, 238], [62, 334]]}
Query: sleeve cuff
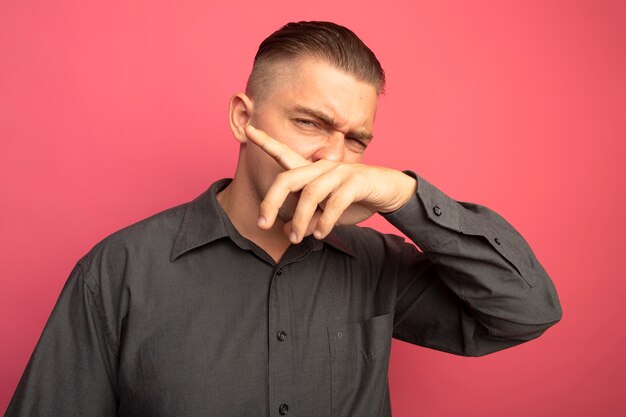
{"points": [[434, 221]]}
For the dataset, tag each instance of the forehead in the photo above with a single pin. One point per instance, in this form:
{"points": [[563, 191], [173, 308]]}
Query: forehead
{"points": [[317, 84]]}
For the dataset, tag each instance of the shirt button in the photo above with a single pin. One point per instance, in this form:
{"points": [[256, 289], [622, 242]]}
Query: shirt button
{"points": [[437, 210], [281, 336], [497, 241], [279, 272], [283, 409]]}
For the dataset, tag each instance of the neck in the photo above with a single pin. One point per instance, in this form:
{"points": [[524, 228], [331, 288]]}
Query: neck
{"points": [[242, 208]]}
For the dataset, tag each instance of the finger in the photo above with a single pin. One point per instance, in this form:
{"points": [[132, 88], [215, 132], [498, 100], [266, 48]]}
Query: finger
{"points": [[334, 207], [311, 196], [285, 183], [284, 155], [287, 228]]}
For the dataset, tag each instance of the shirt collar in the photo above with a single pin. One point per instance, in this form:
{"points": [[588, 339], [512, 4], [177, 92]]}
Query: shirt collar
{"points": [[206, 221]]}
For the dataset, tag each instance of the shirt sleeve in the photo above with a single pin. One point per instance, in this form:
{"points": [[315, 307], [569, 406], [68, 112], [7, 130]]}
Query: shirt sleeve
{"points": [[477, 287], [72, 370]]}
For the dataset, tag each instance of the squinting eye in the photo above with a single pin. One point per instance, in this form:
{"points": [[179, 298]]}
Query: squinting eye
{"points": [[305, 122], [358, 142]]}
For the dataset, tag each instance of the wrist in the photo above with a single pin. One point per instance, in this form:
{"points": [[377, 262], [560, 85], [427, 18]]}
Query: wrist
{"points": [[407, 188]]}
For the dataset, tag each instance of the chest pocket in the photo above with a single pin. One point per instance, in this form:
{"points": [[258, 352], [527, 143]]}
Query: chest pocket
{"points": [[359, 356]]}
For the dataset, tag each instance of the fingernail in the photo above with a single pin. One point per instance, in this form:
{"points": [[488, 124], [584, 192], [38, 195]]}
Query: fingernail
{"points": [[317, 234], [261, 221], [293, 237]]}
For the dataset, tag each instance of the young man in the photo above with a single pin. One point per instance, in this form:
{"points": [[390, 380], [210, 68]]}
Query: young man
{"points": [[260, 297]]}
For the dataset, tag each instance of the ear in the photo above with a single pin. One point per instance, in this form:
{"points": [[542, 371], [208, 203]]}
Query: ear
{"points": [[239, 113]]}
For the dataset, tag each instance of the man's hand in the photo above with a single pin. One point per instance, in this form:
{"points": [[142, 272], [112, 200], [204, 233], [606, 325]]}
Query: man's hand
{"points": [[330, 192]]}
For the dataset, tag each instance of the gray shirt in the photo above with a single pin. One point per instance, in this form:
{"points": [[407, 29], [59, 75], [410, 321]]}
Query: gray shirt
{"points": [[179, 315]]}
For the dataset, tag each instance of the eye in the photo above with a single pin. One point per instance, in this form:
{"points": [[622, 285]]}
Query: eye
{"points": [[305, 122], [357, 142]]}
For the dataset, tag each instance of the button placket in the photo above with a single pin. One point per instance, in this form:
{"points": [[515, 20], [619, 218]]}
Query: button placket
{"points": [[280, 354]]}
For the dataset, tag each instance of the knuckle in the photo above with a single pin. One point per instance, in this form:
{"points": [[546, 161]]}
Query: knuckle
{"points": [[342, 168], [282, 178], [326, 162], [310, 192], [338, 201], [349, 171]]}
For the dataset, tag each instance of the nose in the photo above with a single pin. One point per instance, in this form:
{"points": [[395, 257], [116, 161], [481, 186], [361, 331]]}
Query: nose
{"points": [[333, 148]]}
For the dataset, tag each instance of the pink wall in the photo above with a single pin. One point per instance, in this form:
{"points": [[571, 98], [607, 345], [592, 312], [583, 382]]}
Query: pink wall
{"points": [[111, 111]]}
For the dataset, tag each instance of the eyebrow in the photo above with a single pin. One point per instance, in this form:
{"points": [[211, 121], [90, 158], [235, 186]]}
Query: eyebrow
{"points": [[332, 123]]}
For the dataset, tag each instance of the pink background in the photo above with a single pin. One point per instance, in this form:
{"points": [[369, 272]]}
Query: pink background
{"points": [[111, 111]]}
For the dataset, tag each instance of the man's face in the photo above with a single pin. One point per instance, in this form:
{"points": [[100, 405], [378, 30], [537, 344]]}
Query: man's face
{"points": [[318, 111]]}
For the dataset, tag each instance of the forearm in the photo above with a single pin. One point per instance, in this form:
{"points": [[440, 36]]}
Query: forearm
{"points": [[483, 260]]}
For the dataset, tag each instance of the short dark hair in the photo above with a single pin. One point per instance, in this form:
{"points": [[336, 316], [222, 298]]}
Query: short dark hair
{"points": [[330, 42]]}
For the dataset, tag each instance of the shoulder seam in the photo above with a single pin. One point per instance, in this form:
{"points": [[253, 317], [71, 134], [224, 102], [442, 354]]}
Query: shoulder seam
{"points": [[99, 310]]}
